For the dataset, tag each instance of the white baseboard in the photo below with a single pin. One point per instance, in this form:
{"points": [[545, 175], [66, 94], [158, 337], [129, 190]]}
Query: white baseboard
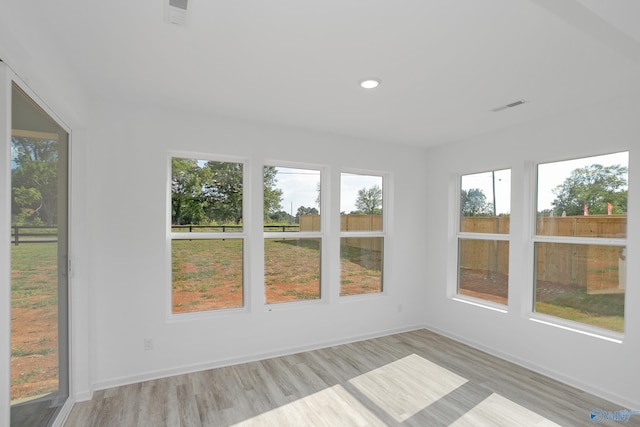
{"points": [[186, 369], [83, 396], [62, 416], [559, 376]]}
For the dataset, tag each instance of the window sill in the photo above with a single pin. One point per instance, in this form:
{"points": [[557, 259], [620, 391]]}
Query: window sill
{"points": [[481, 303], [579, 328], [361, 297], [290, 305], [205, 315]]}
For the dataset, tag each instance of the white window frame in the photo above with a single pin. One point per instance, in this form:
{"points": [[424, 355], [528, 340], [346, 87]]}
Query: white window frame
{"points": [[384, 233], [240, 235], [322, 234], [547, 319], [453, 288]]}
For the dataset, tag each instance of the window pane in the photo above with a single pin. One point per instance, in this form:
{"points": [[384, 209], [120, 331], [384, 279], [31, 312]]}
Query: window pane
{"points": [[584, 197], [291, 199], [360, 202], [485, 202], [361, 265], [207, 274], [206, 196], [583, 283], [484, 269], [292, 269]]}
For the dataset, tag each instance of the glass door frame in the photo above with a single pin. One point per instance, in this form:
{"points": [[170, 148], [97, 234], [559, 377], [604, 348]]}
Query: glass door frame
{"points": [[7, 79]]}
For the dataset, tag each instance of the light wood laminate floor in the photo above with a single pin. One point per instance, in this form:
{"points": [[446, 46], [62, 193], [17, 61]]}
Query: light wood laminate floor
{"points": [[416, 378]]}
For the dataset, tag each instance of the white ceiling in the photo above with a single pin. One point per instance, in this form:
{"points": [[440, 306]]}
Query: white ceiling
{"points": [[444, 64]]}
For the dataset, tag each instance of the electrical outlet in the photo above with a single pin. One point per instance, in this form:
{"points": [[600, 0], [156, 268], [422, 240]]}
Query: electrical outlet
{"points": [[399, 308], [148, 344]]}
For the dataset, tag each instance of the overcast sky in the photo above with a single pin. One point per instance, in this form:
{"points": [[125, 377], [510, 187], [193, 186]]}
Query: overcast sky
{"points": [[299, 188], [550, 175], [485, 181]]}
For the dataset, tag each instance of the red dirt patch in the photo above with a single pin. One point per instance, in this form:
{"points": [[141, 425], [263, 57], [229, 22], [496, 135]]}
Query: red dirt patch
{"points": [[484, 285], [34, 349]]}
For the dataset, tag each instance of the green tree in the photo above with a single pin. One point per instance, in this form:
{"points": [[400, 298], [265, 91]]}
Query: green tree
{"points": [[473, 202], [281, 217], [187, 198], [222, 188], [212, 192], [272, 196], [595, 186], [34, 181], [369, 201], [302, 210]]}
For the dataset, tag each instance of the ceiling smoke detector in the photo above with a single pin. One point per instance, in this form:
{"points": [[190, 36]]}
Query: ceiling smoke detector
{"points": [[513, 104], [176, 12]]}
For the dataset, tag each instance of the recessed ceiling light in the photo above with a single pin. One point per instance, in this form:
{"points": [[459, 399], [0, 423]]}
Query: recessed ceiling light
{"points": [[369, 83]]}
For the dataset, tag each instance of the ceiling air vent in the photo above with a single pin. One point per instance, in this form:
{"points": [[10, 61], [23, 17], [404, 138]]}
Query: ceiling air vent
{"points": [[513, 104], [176, 12]]}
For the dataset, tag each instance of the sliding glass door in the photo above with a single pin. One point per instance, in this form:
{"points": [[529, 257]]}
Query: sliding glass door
{"points": [[39, 263]]}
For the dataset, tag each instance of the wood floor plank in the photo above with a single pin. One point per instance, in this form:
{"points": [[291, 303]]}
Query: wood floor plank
{"points": [[415, 378]]}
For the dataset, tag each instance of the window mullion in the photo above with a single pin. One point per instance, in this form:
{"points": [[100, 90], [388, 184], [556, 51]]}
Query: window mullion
{"points": [[484, 236], [581, 240]]}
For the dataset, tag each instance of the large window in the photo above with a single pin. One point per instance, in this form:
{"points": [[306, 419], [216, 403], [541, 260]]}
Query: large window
{"points": [[580, 240], [361, 234], [207, 237], [292, 234], [483, 236]]}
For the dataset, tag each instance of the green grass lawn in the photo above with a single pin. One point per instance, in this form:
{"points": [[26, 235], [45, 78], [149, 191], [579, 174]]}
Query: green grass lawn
{"points": [[291, 269], [33, 271], [207, 274], [34, 311], [600, 310], [614, 323], [567, 301]]}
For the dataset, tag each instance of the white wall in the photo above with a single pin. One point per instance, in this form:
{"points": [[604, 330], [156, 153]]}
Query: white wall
{"points": [[600, 366], [33, 56], [127, 176]]}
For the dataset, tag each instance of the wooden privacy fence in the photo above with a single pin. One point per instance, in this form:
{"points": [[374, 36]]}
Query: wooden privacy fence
{"points": [[347, 222], [485, 224], [309, 222], [484, 254], [583, 226], [601, 269], [361, 222], [350, 223]]}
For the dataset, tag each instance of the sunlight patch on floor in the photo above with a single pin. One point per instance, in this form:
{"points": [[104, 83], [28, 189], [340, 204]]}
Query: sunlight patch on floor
{"points": [[496, 410], [330, 407], [407, 386]]}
